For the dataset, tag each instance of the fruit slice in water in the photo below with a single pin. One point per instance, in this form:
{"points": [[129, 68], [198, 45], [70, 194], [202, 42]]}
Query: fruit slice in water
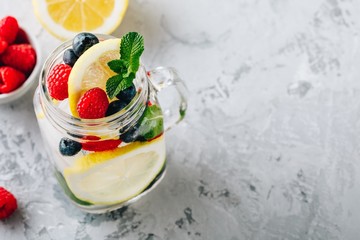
{"points": [[91, 70], [65, 18], [116, 176]]}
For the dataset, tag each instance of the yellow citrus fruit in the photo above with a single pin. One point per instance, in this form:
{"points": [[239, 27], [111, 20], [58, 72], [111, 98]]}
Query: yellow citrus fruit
{"points": [[116, 176], [65, 18], [91, 70]]}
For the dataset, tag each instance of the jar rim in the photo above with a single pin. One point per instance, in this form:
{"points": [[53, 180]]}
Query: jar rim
{"points": [[79, 127]]}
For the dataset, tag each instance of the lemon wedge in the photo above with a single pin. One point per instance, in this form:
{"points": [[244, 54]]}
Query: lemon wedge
{"points": [[65, 18], [91, 70], [116, 176]]}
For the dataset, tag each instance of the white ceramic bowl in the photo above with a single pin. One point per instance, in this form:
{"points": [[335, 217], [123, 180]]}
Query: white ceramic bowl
{"points": [[8, 97]]}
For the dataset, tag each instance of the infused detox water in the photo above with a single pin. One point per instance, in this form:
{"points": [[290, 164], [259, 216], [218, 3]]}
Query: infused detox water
{"points": [[101, 121]]}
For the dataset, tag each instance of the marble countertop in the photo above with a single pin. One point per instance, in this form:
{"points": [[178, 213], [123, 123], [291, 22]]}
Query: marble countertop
{"points": [[270, 146]]}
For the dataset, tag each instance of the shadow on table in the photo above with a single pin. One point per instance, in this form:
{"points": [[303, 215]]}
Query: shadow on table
{"points": [[185, 205]]}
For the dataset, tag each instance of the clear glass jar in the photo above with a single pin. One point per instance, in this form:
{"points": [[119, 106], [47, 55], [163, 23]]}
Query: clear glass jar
{"points": [[99, 181]]}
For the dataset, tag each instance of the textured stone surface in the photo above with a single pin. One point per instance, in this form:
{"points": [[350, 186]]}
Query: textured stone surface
{"points": [[269, 148]]}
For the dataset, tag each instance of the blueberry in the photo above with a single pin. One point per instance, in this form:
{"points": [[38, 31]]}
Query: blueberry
{"points": [[115, 107], [128, 94], [69, 147], [83, 41], [70, 57], [131, 135]]}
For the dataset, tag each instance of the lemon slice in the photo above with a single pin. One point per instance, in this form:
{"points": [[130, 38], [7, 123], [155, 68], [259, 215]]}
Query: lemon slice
{"points": [[91, 70], [116, 176], [65, 18]]}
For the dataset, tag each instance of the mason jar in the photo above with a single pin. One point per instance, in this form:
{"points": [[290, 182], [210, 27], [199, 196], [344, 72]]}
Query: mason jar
{"points": [[98, 180]]}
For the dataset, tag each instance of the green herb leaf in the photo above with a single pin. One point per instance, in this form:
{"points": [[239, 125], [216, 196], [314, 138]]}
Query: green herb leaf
{"points": [[152, 123], [119, 66], [125, 83], [118, 83], [67, 190], [112, 85], [131, 48]]}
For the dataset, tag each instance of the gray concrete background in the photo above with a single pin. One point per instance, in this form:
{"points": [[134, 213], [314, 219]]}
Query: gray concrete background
{"points": [[269, 148]]}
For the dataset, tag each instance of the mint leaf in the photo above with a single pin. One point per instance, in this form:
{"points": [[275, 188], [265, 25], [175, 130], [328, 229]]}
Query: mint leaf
{"points": [[151, 123], [124, 84], [112, 85], [67, 190], [118, 83], [119, 66], [131, 48]]}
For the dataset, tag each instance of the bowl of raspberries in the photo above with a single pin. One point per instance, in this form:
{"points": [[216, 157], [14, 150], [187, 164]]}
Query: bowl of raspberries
{"points": [[19, 60]]}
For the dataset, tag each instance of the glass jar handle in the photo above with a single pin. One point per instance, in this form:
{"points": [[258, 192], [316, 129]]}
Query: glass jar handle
{"points": [[173, 101]]}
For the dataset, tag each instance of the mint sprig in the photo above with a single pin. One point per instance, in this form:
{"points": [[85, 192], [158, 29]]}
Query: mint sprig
{"points": [[151, 123], [131, 48]]}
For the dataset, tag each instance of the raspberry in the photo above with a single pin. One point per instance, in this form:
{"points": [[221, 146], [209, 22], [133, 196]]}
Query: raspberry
{"points": [[21, 37], [99, 146], [93, 104], [8, 29], [3, 45], [10, 79], [8, 203], [57, 81], [19, 56]]}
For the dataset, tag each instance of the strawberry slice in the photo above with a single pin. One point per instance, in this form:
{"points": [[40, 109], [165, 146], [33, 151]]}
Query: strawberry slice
{"points": [[98, 145]]}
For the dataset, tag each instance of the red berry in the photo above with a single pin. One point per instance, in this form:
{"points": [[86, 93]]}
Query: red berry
{"points": [[8, 203], [8, 29], [21, 37], [99, 146], [10, 79], [93, 104], [57, 81], [19, 56], [3, 45]]}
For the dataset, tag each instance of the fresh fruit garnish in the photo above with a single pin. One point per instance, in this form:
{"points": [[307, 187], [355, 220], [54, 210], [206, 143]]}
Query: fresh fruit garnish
{"points": [[83, 41], [65, 18], [132, 135], [131, 48], [67, 190], [21, 37], [57, 81], [127, 94], [10, 79], [149, 126], [116, 176], [68, 147], [115, 107], [151, 122], [8, 29], [3, 45], [98, 145], [19, 56], [93, 104], [70, 57], [91, 70], [8, 203]]}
